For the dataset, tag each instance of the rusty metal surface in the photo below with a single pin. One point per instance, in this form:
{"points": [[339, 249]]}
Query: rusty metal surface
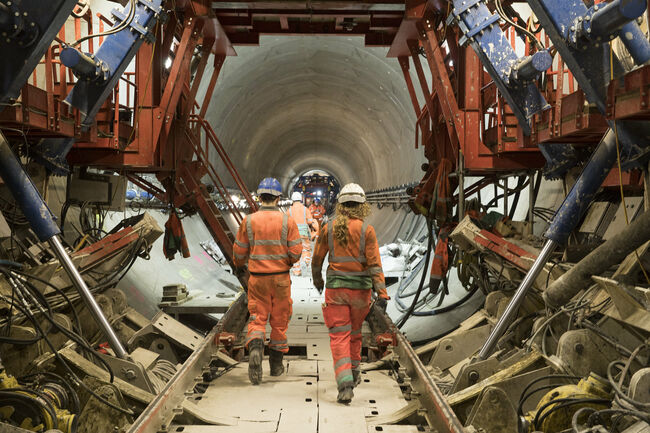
{"points": [[159, 414], [439, 414]]}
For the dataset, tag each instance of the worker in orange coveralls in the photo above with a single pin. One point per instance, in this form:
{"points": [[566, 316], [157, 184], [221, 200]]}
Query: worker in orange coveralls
{"points": [[307, 227], [317, 211], [270, 242], [354, 269]]}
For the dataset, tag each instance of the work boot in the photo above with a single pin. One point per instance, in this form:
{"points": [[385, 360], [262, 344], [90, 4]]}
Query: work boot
{"points": [[275, 362], [255, 355], [345, 394], [356, 376]]}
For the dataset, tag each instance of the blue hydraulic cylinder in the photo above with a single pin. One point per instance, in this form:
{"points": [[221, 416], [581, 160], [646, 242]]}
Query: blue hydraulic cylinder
{"points": [[25, 193], [610, 17], [83, 65], [635, 42], [514, 76], [576, 203], [112, 58]]}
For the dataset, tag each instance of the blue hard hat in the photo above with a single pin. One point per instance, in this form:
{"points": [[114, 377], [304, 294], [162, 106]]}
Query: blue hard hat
{"points": [[270, 185], [316, 200]]}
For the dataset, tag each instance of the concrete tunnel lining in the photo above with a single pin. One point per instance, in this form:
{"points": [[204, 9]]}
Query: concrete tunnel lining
{"points": [[299, 103]]}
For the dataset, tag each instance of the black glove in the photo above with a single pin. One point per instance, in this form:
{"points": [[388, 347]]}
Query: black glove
{"points": [[381, 303], [319, 284]]}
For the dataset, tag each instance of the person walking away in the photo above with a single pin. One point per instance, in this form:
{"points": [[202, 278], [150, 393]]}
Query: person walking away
{"points": [[306, 225], [269, 241], [317, 211], [354, 269]]}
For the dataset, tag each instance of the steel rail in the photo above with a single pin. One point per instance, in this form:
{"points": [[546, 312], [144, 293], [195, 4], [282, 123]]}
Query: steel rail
{"points": [[439, 414], [168, 403]]}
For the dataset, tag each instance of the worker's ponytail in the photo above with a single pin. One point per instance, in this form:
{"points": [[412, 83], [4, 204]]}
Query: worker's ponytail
{"points": [[345, 211]]}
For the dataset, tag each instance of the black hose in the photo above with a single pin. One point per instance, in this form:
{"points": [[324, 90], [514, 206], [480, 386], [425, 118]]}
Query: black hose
{"points": [[447, 308], [406, 316]]}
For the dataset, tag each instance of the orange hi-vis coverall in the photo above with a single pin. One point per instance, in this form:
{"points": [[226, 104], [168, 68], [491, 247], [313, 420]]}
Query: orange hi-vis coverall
{"points": [[352, 272], [306, 224], [270, 242], [318, 212]]}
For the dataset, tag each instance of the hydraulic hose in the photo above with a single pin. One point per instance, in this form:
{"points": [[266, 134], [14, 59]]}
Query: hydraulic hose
{"points": [[406, 316]]}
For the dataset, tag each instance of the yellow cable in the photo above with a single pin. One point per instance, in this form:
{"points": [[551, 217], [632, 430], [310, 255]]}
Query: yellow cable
{"points": [[618, 162]]}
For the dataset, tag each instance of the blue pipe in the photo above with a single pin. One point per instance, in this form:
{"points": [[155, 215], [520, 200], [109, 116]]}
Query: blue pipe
{"points": [[635, 42], [25, 193], [575, 204], [609, 18]]}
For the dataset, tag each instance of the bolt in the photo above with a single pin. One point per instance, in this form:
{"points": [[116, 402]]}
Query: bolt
{"points": [[473, 376], [579, 348], [130, 374], [494, 398]]}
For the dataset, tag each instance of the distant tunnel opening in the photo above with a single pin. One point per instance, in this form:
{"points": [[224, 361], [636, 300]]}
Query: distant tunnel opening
{"points": [[316, 184]]}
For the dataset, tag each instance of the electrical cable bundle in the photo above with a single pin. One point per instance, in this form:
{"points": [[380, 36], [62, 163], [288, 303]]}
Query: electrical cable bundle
{"points": [[25, 297]]}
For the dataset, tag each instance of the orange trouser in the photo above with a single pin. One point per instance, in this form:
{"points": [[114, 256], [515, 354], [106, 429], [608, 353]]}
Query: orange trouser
{"points": [[270, 295], [305, 257], [344, 312]]}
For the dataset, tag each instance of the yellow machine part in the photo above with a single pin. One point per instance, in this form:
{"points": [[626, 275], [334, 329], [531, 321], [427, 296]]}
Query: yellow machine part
{"points": [[67, 422], [591, 387]]}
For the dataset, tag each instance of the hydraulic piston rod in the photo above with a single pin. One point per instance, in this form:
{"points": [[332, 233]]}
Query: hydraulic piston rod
{"points": [[565, 219], [43, 224]]}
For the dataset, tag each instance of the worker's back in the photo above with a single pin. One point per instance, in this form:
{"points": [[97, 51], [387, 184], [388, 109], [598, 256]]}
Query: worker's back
{"points": [[268, 235]]}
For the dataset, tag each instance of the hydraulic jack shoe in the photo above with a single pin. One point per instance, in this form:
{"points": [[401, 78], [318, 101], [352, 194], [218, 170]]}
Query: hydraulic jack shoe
{"points": [[275, 362], [255, 355], [345, 394]]}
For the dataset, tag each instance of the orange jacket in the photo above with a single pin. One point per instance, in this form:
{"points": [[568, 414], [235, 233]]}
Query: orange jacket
{"points": [[303, 218], [317, 211], [358, 265], [268, 240]]}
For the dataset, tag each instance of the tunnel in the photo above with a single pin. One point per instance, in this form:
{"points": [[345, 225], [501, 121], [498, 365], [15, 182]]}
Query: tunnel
{"points": [[295, 104]]}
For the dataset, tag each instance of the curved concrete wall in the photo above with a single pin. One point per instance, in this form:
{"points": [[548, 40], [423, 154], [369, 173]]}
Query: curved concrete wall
{"points": [[300, 103]]}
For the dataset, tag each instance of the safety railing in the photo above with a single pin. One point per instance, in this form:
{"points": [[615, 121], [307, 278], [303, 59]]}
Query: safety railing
{"points": [[51, 82], [207, 146]]}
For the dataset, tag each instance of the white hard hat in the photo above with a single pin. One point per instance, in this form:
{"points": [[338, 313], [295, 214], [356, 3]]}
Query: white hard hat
{"points": [[296, 196], [351, 192]]}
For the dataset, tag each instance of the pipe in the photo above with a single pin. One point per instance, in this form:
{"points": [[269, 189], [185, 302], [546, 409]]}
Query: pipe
{"points": [[25, 193], [635, 42], [82, 64], [612, 16], [513, 307], [42, 223], [565, 220], [607, 254], [87, 296], [529, 68], [576, 203]]}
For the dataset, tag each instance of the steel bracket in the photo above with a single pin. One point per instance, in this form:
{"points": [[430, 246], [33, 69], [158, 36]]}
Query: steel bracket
{"points": [[514, 76], [116, 52]]}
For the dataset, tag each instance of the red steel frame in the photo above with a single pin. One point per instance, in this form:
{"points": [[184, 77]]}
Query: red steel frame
{"points": [[464, 116]]}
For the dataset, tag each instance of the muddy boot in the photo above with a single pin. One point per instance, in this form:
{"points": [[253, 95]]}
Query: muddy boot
{"points": [[356, 376], [275, 362], [255, 355], [345, 394]]}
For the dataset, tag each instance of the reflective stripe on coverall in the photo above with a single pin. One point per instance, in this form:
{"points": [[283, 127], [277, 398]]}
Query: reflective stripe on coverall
{"points": [[304, 220], [353, 270], [270, 242]]}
